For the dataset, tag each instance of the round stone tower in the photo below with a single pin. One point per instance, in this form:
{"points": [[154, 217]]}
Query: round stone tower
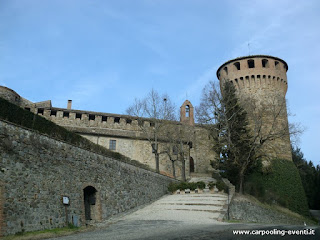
{"points": [[262, 80]]}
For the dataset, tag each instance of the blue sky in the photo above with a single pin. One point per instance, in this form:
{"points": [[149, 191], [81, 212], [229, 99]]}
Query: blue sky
{"points": [[103, 54]]}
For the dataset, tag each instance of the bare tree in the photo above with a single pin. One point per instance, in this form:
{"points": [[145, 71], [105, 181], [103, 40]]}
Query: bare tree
{"points": [[177, 143], [240, 139], [157, 110]]}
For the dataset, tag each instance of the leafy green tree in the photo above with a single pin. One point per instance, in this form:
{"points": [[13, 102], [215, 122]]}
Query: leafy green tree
{"points": [[310, 177]]}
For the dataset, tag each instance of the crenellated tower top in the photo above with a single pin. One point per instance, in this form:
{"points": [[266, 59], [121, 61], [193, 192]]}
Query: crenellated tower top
{"points": [[255, 73]]}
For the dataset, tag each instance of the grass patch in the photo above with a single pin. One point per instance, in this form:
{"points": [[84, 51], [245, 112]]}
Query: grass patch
{"points": [[278, 209], [48, 233]]}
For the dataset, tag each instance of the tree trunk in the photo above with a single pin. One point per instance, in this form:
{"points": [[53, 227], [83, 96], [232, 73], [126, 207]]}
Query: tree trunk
{"points": [[241, 181], [183, 174], [157, 162]]}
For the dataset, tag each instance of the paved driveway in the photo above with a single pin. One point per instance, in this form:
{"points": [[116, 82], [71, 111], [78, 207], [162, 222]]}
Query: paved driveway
{"points": [[180, 217]]}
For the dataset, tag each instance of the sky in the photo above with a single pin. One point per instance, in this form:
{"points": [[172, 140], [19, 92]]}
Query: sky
{"points": [[104, 54]]}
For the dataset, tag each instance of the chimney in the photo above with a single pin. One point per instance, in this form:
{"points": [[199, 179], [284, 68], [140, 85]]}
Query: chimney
{"points": [[69, 104]]}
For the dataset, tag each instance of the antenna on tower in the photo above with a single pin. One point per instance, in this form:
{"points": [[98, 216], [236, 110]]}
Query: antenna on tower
{"points": [[249, 48]]}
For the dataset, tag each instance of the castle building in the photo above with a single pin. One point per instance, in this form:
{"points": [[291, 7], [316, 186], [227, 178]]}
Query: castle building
{"points": [[122, 133], [262, 80]]}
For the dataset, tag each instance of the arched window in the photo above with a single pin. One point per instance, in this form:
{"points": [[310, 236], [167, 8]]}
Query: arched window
{"points": [[191, 165], [265, 63], [187, 111], [237, 65], [226, 70]]}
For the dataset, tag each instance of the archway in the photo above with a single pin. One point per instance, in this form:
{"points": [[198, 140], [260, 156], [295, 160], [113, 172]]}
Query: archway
{"points": [[89, 195], [191, 163]]}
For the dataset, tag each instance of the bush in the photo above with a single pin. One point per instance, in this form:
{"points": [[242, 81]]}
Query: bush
{"points": [[222, 186], [201, 185], [211, 185], [185, 185], [281, 185]]}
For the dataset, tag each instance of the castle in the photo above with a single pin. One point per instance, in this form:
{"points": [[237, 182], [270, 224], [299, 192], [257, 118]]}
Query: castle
{"points": [[45, 183], [123, 134], [262, 80]]}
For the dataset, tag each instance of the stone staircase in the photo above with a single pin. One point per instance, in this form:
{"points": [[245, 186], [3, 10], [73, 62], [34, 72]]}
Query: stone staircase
{"points": [[205, 207], [194, 208]]}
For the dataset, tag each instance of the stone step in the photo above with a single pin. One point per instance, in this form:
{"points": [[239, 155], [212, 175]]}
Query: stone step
{"points": [[192, 208]]}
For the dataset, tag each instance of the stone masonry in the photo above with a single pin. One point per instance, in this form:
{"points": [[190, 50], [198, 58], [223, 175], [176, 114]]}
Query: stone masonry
{"points": [[37, 171], [125, 133], [262, 79]]}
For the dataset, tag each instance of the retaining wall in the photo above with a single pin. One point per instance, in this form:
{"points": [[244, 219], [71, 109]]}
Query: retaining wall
{"points": [[37, 171]]}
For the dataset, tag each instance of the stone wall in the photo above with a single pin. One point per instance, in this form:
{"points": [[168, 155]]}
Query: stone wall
{"points": [[261, 85], [37, 171], [247, 209], [131, 141]]}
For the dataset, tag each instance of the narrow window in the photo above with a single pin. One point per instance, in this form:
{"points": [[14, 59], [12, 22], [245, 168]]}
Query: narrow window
{"points": [[92, 117], [104, 118], [27, 108], [187, 111], [112, 144], [128, 121], [117, 120], [78, 115], [66, 114], [250, 63], [265, 63], [226, 70], [53, 113], [152, 124], [175, 150], [237, 65]]}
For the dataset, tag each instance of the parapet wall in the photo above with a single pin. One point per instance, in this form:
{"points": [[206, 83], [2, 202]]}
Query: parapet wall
{"points": [[255, 72], [37, 171]]}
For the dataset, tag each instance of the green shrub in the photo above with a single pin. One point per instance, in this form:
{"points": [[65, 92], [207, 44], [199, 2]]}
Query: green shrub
{"points": [[211, 185], [201, 185], [281, 185], [222, 186], [185, 185], [172, 187]]}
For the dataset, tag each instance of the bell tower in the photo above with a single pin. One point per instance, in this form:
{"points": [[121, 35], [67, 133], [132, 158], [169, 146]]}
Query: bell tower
{"points": [[187, 113]]}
